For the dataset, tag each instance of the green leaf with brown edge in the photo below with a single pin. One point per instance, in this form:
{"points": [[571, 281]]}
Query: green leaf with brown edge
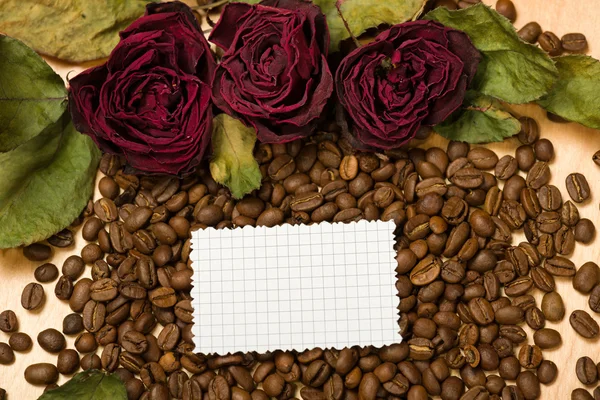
{"points": [[89, 385], [482, 120], [72, 30], [233, 163], [576, 95], [511, 70], [363, 14], [51, 194], [28, 87]]}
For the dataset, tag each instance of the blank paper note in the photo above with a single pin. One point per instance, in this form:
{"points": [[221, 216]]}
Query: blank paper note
{"points": [[294, 287]]}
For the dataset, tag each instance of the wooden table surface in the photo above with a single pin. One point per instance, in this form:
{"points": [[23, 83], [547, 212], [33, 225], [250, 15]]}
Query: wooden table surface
{"points": [[574, 147]]}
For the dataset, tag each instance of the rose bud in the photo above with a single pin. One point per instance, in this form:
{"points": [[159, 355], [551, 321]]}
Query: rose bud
{"points": [[151, 101], [413, 75], [274, 74]]}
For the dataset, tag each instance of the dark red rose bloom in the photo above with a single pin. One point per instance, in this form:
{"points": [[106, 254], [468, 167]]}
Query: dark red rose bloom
{"points": [[151, 102], [274, 74], [414, 74]]}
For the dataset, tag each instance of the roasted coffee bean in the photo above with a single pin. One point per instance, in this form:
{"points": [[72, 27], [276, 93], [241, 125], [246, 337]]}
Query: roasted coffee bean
{"points": [[467, 178], [41, 374], [581, 394], [110, 357], [538, 175], [91, 252], [553, 306], [481, 311], [594, 300], [63, 288], [51, 340], [535, 318], [94, 314], [106, 210], [525, 157], [20, 341], [8, 321], [507, 9], [584, 324], [510, 315], [578, 187], [586, 371], [67, 362], [506, 167], [91, 228], [547, 338], [62, 239], [574, 42], [72, 324], [584, 231], [46, 273], [550, 43], [33, 296], [482, 158], [7, 356], [163, 297], [37, 252], [512, 213], [530, 356], [586, 277]]}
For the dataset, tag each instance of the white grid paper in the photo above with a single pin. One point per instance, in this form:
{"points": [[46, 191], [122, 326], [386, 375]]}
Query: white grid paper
{"points": [[294, 287]]}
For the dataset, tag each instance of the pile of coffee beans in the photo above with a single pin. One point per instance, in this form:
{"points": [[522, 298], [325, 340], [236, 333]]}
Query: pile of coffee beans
{"points": [[465, 288]]}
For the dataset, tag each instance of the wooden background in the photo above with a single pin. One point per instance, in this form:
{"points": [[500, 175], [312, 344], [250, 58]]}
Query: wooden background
{"points": [[574, 147]]}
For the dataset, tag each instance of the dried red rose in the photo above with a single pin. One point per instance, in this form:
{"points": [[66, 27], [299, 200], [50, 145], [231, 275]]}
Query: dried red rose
{"points": [[151, 102], [414, 74], [274, 74]]}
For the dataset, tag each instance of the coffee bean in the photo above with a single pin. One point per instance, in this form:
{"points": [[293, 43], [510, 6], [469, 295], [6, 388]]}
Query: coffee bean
{"points": [[525, 157], [578, 187], [507, 9], [581, 394], [93, 316], [110, 357], [8, 321], [62, 239], [41, 374], [530, 32], [584, 231], [584, 324], [37, 252], [594, 300], [72, 324], [67, 362], [586, 371], [530, 356], [586, 277], [553, 307], [550, 43], [20, 341], [529, 384], [559, 266], [510, 315], [574, 42], [7, 356], [530, 131], [33, 296]]}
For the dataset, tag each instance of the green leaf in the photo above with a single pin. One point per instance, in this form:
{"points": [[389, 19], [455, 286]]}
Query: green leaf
{"points": [[37, 204], [576, 95], [363, 14], [511, 70], [481, 121], [28, 87], [73, 30], [233, 163], [89, 385]]}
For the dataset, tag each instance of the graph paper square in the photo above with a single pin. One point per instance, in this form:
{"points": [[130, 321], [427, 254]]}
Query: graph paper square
{"points": [[294, 287]]}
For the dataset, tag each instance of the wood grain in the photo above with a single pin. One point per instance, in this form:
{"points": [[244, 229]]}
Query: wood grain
{"points": [[574, 147]]}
